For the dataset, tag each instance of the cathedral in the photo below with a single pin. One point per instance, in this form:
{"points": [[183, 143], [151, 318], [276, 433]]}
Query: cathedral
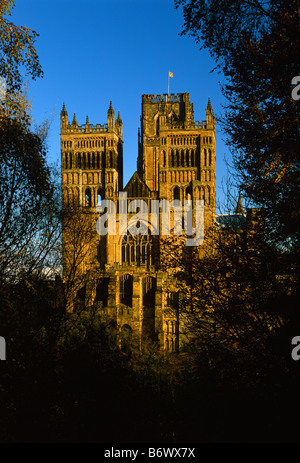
{"points": [[121, 271]]}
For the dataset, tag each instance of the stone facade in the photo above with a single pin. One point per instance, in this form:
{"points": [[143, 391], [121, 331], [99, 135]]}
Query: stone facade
{"points": [[176, 161]]}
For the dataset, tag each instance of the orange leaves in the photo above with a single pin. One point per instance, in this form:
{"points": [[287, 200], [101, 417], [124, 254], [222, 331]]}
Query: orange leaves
{"points": [[276, 169]]}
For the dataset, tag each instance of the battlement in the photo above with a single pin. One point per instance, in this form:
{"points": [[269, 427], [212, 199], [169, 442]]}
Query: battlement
{"points": [[172, 97], [90, 128], [181, 126], [112, 126]]}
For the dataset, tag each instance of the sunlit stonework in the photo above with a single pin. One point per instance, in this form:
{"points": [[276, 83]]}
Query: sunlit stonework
{"points": [[122, 273]]}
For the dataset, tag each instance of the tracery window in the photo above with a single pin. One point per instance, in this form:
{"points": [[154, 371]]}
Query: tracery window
{"points": [[137, 249]]}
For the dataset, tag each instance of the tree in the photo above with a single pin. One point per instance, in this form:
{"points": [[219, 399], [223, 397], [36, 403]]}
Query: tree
{"points": [[29, 211], [256, 45], [79, 247], [16, 50], [29, 202]]}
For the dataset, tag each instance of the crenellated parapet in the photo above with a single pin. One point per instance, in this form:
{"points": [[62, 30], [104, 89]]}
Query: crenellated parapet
{"points": [[79, 129], [112, 125]]}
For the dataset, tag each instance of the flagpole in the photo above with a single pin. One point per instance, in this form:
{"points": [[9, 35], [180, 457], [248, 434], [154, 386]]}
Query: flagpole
{"points": [[168, 82]]}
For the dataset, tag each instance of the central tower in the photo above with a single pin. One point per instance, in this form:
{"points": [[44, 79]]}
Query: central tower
{"points": [[176, 155]]}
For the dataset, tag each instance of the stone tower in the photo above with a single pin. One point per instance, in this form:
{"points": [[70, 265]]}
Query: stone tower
{"points": [[176, 156], [91, 159], [120, 272]]}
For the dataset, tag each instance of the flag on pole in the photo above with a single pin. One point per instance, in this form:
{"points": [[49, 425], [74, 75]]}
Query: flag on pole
{"points": [[169, 75]]}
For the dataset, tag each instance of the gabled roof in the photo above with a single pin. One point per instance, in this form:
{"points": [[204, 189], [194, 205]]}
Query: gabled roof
{"points": [[137, 188]]}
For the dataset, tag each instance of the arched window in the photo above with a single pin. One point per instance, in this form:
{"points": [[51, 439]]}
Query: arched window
{"points": [[188, 158], [176, 193], [172, 159], [109, 159], [99, 196], [137, 249], [157, 125], [192, 158], [88, 198], [188, 192]]}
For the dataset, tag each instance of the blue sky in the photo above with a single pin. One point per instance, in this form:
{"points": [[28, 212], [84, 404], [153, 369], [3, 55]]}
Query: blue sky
{"points": [[94, 51]]}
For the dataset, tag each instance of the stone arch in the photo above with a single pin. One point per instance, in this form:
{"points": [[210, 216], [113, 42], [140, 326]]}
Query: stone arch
{"points": [[176, 193], [88, 197], [188, 192]]}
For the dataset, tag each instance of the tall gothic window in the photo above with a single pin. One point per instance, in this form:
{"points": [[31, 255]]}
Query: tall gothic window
{"points": [[137, 249], [88, 197], [176, 193], [126, 288], [99, 196]]}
